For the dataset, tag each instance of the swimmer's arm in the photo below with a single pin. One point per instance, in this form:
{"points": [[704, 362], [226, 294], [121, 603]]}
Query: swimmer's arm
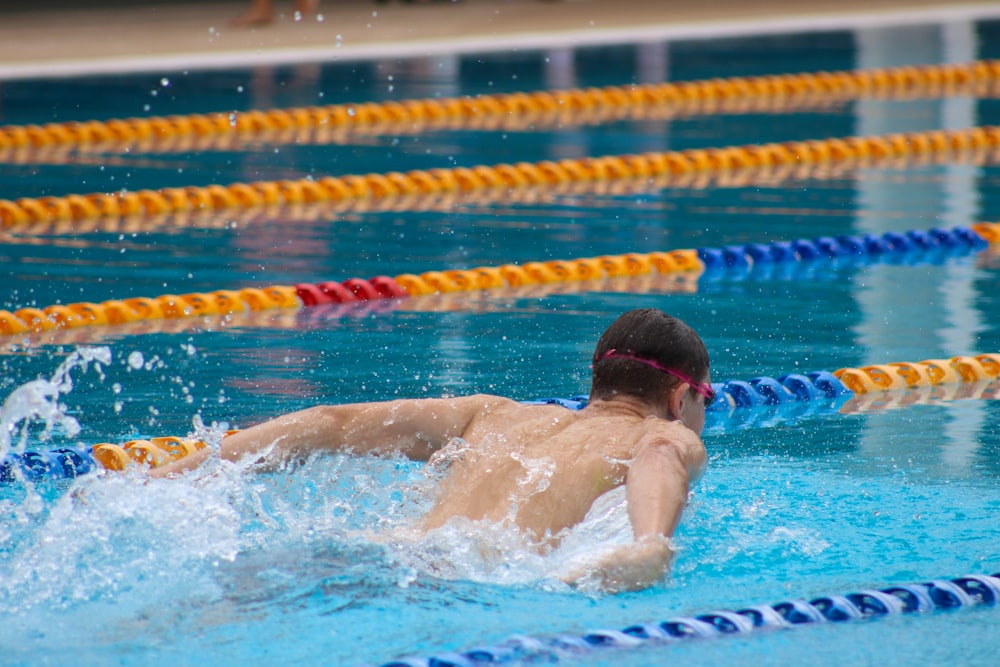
{"points": [[414, 428], [656, 491]]}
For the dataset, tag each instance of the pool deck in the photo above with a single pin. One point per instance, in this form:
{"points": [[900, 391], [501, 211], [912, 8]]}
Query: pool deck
{"points": [[60, 38]]}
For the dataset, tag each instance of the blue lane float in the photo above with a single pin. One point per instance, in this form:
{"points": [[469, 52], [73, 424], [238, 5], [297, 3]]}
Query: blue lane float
{"points": [[939, 594], [753, 393], [915, 246], [35, 465]]}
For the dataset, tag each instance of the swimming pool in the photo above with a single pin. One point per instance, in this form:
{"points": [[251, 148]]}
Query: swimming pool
{"points": [[283, 567]]}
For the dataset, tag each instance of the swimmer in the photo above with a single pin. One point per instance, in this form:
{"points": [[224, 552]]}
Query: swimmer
{"points": [[641, 428]]}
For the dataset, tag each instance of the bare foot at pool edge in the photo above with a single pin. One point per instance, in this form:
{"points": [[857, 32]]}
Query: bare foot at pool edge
{"points": [[257, 15], [261, 13]]}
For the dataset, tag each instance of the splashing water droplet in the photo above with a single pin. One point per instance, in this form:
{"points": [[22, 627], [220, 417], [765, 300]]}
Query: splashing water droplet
{"points": [[136, 360], [39, 400]]}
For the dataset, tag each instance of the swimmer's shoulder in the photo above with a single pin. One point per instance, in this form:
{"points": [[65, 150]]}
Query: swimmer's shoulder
{"points": [[688, 443], [500, 410], [491, 402], [673, 430], [489, 407]]}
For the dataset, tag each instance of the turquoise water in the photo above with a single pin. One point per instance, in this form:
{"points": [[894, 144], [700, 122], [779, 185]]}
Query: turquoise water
{"points": [[231, 566]]}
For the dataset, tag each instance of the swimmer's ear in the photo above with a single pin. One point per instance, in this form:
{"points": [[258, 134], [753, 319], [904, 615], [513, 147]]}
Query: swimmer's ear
{"points": [[676, 396]]}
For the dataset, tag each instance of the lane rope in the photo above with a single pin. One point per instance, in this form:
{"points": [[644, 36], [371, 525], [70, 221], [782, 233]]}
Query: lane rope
{"points": [[327, 210], [695, 261], [661, 169], [737, 405], [513, 110], [864, 604], [681, 283]]}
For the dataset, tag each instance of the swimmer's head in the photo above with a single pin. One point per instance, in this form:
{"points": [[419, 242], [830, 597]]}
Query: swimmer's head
{"points": [[635, 355]]}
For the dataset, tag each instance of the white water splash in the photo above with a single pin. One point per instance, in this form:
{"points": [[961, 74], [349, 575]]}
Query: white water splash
{"points": [[499, 553], [480, 551], [211, 434], [113, 535], [119, 534], [38, 400], [537, 475]]}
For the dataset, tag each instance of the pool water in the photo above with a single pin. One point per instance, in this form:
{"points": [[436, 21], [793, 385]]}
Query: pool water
{"points": [[313, 564]]}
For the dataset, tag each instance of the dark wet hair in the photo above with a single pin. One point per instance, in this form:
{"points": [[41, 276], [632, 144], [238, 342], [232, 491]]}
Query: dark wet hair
{"points": [[651, 334]]}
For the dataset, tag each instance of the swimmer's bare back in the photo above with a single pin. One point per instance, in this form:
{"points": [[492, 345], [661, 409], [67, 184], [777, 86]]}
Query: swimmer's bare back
{"points": [[544, 466]]}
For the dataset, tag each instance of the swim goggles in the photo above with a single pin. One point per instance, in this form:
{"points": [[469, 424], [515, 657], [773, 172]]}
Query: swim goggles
{"points": [[700, 387]]}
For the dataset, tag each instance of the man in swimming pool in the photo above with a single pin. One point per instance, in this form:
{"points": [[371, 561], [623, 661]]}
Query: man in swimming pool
{"points": [[641, 428]]}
